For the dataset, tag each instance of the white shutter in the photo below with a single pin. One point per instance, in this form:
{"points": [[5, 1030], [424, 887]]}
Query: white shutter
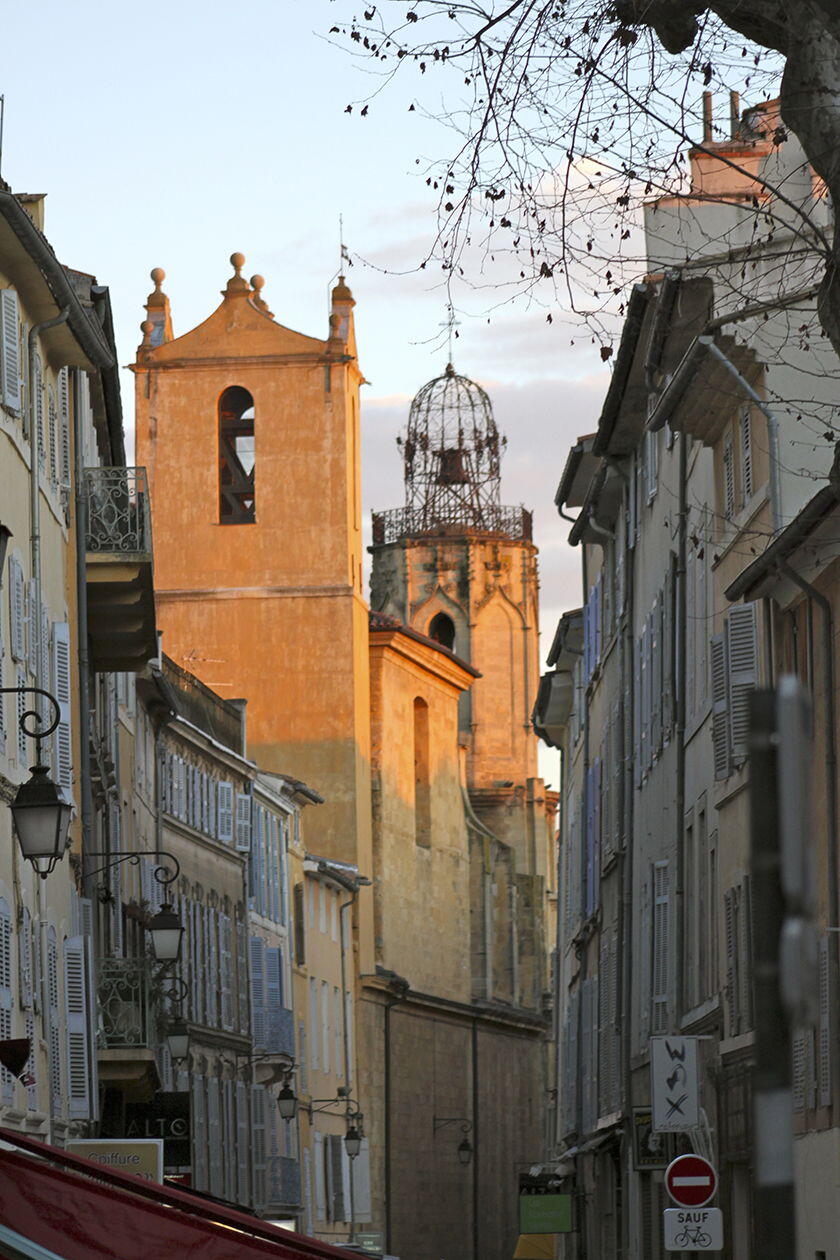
{"points": [[313, 1023], [325, 1026], [17, 608], [258, 1143], [243, 822], [825, 1041], [52, 415], [39, 411], [320, 1193], [54, 1022], [226, 970], [730, 913], [214, 1135], [335, 1177], [7, 1081], [360, 1172], [259, 1027], [798, 1067], [742, 660], [199, 1134], [77, 1012], [746, 456], [242, 975], [720, 707], [229, 1141], [10, 356], [64, 425], [661, 948], [728, 479], [226, 813], [211, 805], [26, 993], [274, 998], [62, 740], [243, 1131]]}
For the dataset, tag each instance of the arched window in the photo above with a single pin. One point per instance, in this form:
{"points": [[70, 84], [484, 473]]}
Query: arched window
{"points": [[237, 505], [422, 775], [442, 630]]}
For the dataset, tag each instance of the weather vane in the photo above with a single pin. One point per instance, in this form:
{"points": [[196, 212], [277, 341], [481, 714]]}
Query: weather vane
{"points": [[450, 324], [344, 257]]}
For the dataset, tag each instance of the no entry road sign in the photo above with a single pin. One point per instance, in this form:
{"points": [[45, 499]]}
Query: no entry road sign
{"points": [[691, 1181]]}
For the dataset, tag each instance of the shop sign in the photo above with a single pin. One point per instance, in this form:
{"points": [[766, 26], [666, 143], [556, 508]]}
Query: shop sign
{"points": [[142, 1159], [674, 1083], [542, 1209], [165, 1117]]}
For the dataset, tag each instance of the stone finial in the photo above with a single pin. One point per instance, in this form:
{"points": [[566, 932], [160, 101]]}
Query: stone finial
{"points": [[157, 297], [258, 284], [341, 292], [146, 345], [237, 284]]}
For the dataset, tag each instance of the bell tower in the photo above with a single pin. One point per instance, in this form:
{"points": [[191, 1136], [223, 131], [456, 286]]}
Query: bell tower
{"points": [[457, 565], [250, 434]]}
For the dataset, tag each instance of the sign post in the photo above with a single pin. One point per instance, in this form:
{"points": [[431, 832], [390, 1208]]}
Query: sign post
{"points": [[691, 1181]]}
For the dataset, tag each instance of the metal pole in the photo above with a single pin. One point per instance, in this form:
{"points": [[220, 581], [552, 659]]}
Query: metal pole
{"points": [[775, 1232]]}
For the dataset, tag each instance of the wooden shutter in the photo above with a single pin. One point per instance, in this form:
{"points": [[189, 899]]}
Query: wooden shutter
{"points": [[320, 1168], [668, 631], [243, 822], [299, 925], [77, 1005], [10, 349], [720, 708], [824, 1047], [38, 390], [335, 1177], [199, 1133], [242, 975], [746, 456], [52, 414], [742, 661], [229, 1141], [798, 1068], [243, 1132], [273, 998], [54, 1023], [226, 970], [259, 1023], [325, 1026], [745, 954], [661, 947], [656, 678], [64, 426], [63, 738], [214, 1135], [7, 1081], [17, 608], [225, 814], [360, 1173], [313, 1023], [728, 479], [730, 914], [258, 1163]]}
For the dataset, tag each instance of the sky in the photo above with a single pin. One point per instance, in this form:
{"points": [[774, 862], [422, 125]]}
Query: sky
{"points": [[212, 128]]}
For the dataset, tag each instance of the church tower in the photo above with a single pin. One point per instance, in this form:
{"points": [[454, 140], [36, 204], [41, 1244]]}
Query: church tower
{"points": [[250, 434], [461, 568]]}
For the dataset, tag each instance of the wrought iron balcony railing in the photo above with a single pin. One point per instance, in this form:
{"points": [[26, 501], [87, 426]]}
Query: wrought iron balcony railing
{"points": [[125, 1007], [514, 523], [118, 516]]}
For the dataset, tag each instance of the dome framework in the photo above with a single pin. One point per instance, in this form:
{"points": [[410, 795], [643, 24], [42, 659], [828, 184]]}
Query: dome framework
{"points": [[452, 457]]}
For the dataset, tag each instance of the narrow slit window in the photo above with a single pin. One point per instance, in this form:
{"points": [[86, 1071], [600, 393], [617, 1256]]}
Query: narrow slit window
{"points": [[237, 503], [442, 630], [422, 776]]}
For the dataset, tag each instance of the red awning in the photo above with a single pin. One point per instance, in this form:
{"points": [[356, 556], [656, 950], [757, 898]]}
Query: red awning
{"points": [[83, 1211]]}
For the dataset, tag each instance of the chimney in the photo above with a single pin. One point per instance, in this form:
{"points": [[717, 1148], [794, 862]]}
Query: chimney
{"points": [[707, 117], [734, 114]]}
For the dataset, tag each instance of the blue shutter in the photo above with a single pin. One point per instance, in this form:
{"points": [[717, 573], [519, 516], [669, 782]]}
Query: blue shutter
{"points": [[274, 997], [259, 1028]]}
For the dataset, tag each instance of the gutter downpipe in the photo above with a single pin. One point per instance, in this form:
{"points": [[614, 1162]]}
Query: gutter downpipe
{"points": [[832, 855], [476, 1197], [772, 426], [341, 921], [680, 640]]}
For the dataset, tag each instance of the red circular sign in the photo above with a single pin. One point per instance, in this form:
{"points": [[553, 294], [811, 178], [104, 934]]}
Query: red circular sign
{"points": [[691, 1181]]}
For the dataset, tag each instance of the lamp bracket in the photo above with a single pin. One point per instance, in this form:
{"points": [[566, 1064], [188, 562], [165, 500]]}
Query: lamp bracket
{"points": [[441, 1122], [316, 1105], [161, 872], [43, 728]]}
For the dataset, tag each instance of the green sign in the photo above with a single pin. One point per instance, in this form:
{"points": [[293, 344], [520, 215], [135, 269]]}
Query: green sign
{"points": [[370, 1241], [542, 1212]]}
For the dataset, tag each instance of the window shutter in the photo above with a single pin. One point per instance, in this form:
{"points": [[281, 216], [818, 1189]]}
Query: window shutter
{"points": [[360, 1173], [299, 925], [211, 806], [746, 456], [589, 899], [17, 608], [258, 1143], [720, 707], [745, 955], [325, 1026], [39, 411], [798, 1058], [76, 1008], [313, 1022], [335, 1177], [742, 660], [730, 916], [229, 1141], [337, 1028], [225, 814], [64, 425], [661, 947], [52, 414], [199, 1133], [243, 1130], [7, 1081], [259, 1028], [810, 1070], [226, 970], [274, 998], [242, 975], [728, 479], [54, 1022], [10, 358], [825, 1039], [214, 1135], [62, 740], [243, 822], [303, 1062], [604, 1025], [320, 1194], [30, 1075], [646, 667]]}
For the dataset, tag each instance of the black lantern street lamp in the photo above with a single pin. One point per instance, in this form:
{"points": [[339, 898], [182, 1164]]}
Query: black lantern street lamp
{"points": [[465, 1146], [353, 1141], [178, 1039], [287, 1102], [40, 810], [167, 931], [465, 1151]]}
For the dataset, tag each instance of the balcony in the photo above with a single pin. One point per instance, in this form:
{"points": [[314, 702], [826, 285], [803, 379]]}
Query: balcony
{"points": [[118, 546], [125, 1041]]}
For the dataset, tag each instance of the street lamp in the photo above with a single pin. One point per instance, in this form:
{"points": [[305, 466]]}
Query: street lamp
{"points": [[167, 931], [353, 1141], [465, 1151], [178, 1039], [465, 1146], [287, 1103], [40, 810]]}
